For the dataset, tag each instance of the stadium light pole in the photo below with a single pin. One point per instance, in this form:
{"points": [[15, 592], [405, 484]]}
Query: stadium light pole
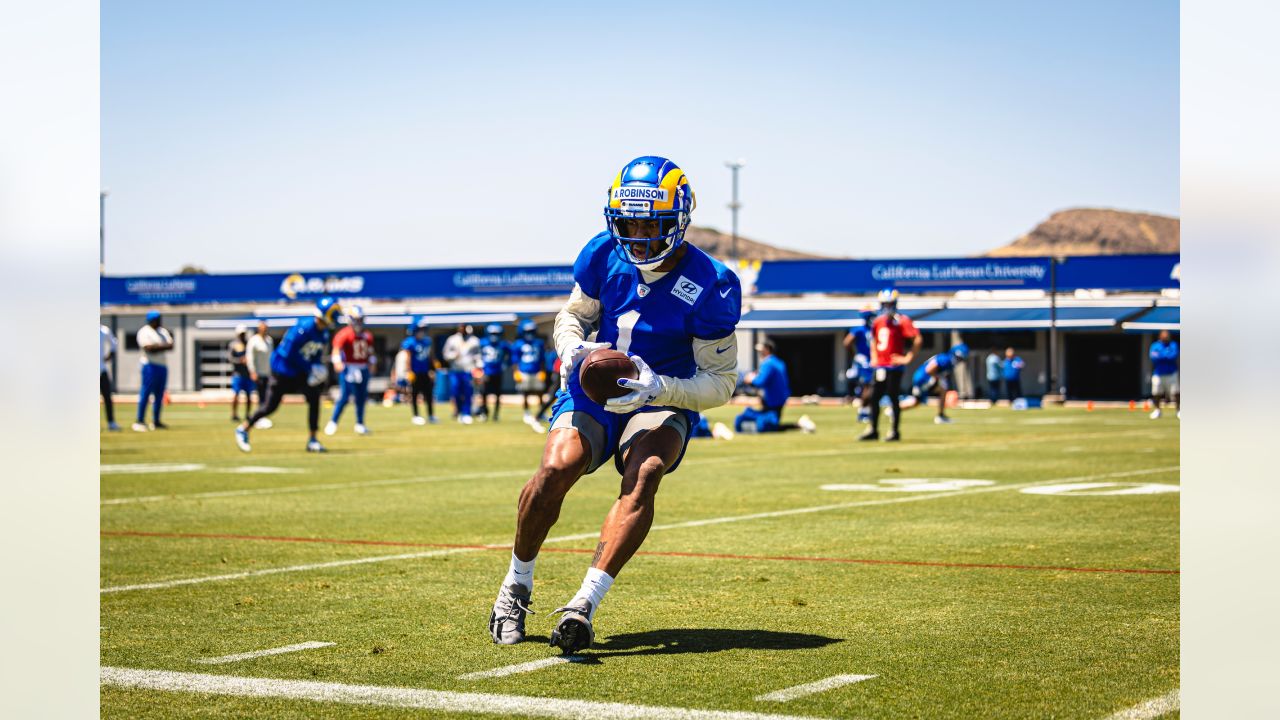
{"points": [[102, 230], [735, 166]]}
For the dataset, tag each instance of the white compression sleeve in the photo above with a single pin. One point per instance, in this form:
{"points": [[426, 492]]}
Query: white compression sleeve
{"points": [[575, 321], [712, 385]]}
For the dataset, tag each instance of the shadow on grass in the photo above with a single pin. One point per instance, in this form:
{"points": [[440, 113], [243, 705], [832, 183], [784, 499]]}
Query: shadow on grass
{"points": [[704, 640]]}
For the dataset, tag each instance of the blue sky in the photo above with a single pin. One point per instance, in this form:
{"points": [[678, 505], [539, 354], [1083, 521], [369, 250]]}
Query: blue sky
{"points": [[301, 135]]}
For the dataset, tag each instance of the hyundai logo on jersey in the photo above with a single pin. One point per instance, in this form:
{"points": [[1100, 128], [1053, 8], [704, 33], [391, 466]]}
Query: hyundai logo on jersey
{"points": [[687, 290]]}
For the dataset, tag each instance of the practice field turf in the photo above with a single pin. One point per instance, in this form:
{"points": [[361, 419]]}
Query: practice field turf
{"points": [[989, 591]]}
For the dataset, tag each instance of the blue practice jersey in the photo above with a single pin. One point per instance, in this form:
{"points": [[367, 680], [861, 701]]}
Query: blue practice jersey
{"points": [[528, 355], [944, 362], [1012, 368], [772, 381], [495, 356], [303, 346], [419, 353], [699, 298], [861, 341], [1164, 357]]}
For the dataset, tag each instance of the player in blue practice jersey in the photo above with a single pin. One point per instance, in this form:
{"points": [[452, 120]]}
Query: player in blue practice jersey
{"points": [[421, 371], [495, 356], [774, 388], [297, 366], [528, 353], [861, 382], [937, 374], [673, 309]]}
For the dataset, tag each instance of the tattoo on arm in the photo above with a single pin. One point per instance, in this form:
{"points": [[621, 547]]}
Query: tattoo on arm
{"points": [[599, 551]]}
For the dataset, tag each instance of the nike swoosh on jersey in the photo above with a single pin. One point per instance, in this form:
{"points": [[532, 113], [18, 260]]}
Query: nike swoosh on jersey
{"points": [[726, 292], [721, 350]]}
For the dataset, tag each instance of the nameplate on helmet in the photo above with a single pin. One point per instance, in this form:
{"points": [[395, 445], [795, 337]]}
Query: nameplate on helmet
{"points": [[641, 193], [636, 207], [686, 289]]}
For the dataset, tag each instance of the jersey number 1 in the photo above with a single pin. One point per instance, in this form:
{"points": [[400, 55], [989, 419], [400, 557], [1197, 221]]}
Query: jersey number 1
{"points": [[626, 324]]}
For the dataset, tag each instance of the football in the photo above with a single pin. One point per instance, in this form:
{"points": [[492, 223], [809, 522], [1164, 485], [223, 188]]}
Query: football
{"points": [[600, 371]]}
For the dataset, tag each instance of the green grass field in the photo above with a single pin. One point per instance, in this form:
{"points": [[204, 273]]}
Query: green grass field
{"points": [[962, 599]]}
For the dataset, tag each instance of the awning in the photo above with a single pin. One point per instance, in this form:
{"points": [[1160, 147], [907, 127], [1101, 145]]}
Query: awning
{"points": [[1094, 317], [285, 321], [1164, 317], [817, 319]]}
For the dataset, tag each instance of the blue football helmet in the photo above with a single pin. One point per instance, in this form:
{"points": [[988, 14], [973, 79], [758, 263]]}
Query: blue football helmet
{"points": [[961, 351], [328, 309], [867, 312], [420, 324], [493, 329], [528, 328], [648, 210], [888, 300]]}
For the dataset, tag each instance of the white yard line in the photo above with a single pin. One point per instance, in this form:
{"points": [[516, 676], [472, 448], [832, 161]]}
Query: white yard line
{"points": [[309, 645], [416, 698], [309, 488], [522, 667], [817, 686], [730, 459], [595, 534], [1153, 708]]}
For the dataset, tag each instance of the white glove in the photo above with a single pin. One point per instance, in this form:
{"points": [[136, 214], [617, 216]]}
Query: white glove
{"points": [[645, 389], [319, 373], [574, 356]]}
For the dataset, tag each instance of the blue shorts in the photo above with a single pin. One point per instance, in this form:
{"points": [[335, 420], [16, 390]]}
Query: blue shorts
{"points": [[610, 434], [242, 384]]}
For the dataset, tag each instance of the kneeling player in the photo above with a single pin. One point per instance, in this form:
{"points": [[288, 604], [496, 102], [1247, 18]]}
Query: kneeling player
{"points": [[937, 373], [297, 366], [674, 309]]}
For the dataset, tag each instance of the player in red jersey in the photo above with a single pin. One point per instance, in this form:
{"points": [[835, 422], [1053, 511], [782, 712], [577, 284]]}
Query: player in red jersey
{"points": [[353, 360], [889, 334]]}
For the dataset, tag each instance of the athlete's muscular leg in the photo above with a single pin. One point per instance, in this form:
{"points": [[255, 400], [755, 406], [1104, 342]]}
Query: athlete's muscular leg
{"points": [[628, 522], [564, 460]]}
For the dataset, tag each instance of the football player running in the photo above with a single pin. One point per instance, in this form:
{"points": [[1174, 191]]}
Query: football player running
{"points": [[297, 366], [937, 373], [673, 309]]}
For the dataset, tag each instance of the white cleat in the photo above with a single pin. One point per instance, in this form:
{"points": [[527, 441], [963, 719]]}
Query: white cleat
{"points": [[139, 427], [331, 428], [263, 424], [466, 419], [242, 440], [941, 420], [361, 429], [720, 431], [419, 420], [1155, 414], [534, 425], [806, 424]]}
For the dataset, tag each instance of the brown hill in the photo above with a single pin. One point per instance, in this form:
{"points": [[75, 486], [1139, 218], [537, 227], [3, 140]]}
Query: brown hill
{"points": [[1093, 231], [720, 245]]}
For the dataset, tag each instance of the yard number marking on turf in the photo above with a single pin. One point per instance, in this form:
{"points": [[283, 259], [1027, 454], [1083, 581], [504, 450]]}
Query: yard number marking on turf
{"points": [[309, 645], [913, 485], [416, 698], [823, 685], [1153, 708], [523, 667], [1103, 488]]}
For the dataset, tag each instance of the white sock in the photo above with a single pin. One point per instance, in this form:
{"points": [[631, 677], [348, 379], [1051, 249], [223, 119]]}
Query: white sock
{"points": [[521, 572], [594, 586]]}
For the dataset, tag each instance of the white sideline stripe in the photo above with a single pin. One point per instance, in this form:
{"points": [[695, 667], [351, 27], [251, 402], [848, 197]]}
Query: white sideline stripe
{"points": [[596, 534], [1153, 708], [147, 468], [817, 686], [523, 667], [441, 700], [308, 488], [523, 473], [309, 645]]}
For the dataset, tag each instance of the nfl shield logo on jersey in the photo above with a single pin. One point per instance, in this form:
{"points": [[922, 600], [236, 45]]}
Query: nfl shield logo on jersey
{"points": [[642, 290]]}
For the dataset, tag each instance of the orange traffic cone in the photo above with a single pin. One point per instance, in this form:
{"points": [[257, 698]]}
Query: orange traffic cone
{"points": [[167, 401], [1089, 407], [1132, 406], [200, 404]]}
